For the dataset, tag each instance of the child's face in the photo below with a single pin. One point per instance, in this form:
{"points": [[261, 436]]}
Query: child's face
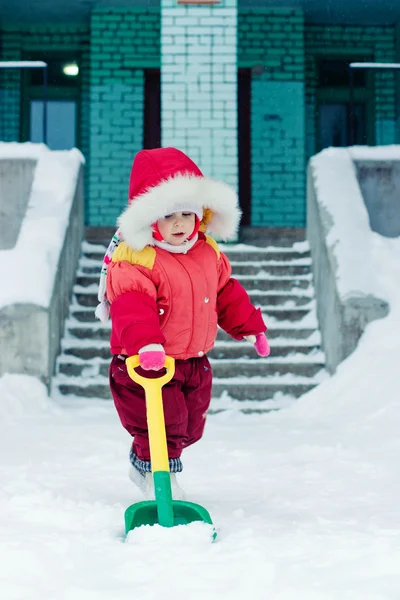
{"points": [[176, 227]]}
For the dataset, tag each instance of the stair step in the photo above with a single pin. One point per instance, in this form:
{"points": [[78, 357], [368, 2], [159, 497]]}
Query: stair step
{"points": [[280, 299], [242, 273], [85, 314], [288, 335], [253, 285], [226, 350], [221, 369], [247, 351], [89, 298], [101, 332], [234, 255], [274, 265], [237, 390]]}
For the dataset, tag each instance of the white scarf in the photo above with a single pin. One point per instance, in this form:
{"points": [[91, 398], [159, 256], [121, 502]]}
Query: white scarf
{"points": [[181, 249]]}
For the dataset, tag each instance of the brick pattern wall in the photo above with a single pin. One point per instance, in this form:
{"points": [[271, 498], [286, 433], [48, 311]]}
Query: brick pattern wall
{"points": [[199, 84], [10, 45], [122, 43], [273, 40], [376, 43]]}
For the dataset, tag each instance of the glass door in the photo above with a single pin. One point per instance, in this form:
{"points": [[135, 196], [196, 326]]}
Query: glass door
{"points": [[61, 123]]}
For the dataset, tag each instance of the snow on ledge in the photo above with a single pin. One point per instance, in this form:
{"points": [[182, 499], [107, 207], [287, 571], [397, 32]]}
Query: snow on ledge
{"points": [[27, 271], [345, 217], [375, 153]]}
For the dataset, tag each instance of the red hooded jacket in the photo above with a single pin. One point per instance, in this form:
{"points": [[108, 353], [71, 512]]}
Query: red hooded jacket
{"points": [[175, 299]]}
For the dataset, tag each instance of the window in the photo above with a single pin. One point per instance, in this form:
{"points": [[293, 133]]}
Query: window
{"points": [[61, 123], [335, 73], [342, 124], [344, 112], [63, 102]]}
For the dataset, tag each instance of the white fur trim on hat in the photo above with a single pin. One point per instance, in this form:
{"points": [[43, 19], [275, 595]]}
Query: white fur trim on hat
{"points": [[183, 190]]}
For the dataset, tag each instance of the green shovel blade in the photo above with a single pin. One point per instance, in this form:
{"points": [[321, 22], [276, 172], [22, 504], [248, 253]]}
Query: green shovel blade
{"points": [[145, 513]]}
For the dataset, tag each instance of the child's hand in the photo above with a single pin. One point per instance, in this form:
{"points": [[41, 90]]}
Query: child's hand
{"points": [[152, 357], [260, 343]]}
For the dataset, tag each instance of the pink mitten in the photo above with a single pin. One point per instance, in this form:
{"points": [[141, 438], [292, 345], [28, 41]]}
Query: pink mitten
{"points": [[260, 343], [152, 357]]}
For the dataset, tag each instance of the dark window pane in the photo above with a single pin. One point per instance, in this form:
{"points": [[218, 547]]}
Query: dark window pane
{"points": [[335, 123], [335, 73], [55, 75]]}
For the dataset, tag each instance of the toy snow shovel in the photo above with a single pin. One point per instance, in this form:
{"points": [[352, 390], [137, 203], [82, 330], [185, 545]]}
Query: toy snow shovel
{"points": [[163, 510]]}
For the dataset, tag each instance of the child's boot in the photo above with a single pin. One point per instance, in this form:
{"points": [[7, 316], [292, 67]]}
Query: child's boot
{"points": [[177, 492], [143, 481]]}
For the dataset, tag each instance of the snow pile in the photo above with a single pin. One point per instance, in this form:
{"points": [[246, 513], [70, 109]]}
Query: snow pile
{"points": [[21, 396], [29, 268], [368, 380], [346, 217]]}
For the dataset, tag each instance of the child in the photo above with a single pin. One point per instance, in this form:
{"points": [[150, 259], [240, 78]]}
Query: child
{"points": [[168, 287]]}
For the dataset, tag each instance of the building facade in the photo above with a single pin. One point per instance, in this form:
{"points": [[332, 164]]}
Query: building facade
{"points": [[249, 93]]}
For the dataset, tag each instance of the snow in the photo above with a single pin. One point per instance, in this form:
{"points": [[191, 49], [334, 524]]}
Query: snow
{"points": [[30, 64], [374, 65], [346, 216], [36, 253], [304, 499]]}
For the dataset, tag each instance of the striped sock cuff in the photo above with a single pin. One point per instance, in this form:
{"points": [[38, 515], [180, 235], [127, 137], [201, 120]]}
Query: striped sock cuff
{"points": [[144, 466]]}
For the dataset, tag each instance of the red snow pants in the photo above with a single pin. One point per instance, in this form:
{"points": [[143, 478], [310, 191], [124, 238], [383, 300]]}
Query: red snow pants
{"points": [[186, 399]]}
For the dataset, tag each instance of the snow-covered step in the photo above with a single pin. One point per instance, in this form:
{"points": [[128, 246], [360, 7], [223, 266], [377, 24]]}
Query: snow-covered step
{"points": [[279, 282], [222, 368], [235, 252], [88, 298], [304, 316], [255, 388], [92, 329], [234, 352], [241, 272]]}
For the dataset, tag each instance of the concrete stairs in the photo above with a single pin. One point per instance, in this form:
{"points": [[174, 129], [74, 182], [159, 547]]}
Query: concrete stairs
{"points": [[278, 279]]}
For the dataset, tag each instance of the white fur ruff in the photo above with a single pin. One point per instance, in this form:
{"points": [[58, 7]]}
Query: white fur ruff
{"points": [[181, 190]]}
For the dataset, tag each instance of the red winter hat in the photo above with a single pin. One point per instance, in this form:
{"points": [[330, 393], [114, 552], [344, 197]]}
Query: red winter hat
{"points": [[165, 180]]}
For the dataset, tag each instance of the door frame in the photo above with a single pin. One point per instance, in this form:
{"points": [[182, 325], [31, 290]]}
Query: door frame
{"points": [[244, 79]]}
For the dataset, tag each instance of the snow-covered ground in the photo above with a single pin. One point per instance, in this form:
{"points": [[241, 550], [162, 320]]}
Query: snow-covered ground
{"points": [[305, 500]]}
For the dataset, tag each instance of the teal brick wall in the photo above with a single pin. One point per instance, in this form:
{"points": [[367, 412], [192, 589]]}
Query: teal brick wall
{"points": [[10, 46], [277, 134], [274, 40], [123, 42], [376, 43]]}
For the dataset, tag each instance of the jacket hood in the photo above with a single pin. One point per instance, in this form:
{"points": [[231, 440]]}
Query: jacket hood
{"points": [[162, 181]]}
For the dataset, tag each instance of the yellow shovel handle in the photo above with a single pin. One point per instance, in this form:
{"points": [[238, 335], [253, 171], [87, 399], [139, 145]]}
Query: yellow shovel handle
{"points": [[132, 362], [154, 409]]}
